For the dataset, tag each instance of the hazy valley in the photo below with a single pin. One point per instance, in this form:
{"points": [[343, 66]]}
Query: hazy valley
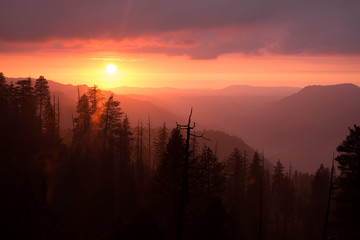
{"points": [[301, 127]]}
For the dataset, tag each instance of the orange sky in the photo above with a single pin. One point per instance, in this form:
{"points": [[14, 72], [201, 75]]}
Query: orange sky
{"points": [[160, 70], [187, 44]]}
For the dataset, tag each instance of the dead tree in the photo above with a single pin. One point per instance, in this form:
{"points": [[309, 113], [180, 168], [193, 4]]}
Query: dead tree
{"points": [[184, 193]]}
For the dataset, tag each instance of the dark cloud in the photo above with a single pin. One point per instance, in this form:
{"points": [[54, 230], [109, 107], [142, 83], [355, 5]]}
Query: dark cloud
{"points": [[278, 26]]}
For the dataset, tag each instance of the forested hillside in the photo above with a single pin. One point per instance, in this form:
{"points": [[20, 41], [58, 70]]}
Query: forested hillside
{"points": [[122, 180]]}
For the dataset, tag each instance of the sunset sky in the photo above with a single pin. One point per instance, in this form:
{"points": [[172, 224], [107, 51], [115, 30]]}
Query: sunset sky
{"points": [[187, 44]]}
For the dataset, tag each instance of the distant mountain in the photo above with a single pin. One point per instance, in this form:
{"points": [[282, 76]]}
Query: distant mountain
{"points": [[298, 126], [212, 107], [234, 90], [245, 90], [304, 128], [301, 126]]}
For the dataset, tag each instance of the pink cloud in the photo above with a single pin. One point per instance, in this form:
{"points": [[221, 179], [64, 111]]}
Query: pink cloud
{"points": [[200, 29]]}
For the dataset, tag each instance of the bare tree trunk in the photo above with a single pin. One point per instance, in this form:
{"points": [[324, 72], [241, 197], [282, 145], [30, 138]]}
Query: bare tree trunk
{"points": [[184, 197]]}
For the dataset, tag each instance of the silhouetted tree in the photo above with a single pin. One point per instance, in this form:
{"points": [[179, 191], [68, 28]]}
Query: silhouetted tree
{"points": [[42, 94], [348, 182], [302, 190], [95, 99], [111, 121], [254, 198], [185, 185], [169, 178], [160, 144], [211, 173], [236, 173], [277, 194], [139, 161], [4, 96], [318, 202], [50, 123], [288, 204], [81, 132], [125, 142], [26, 100], [4, 113], [211, 210], [110, 124], [125, 188], [325, 234]]}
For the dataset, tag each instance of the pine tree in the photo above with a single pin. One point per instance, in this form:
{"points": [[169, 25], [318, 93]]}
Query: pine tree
{"points": [[318, 201], [348, 190], [49, 123], [125, 142], [26, 100], [4, 96], [111, 121], [169, 180], [25, 119], [254, 198], [82, 128], [288, 204], [278, 186], [125, 188], [109, 127], [4, 112], [42, 94], [95, 99], [160, 144], [211, 174], [236, 168]]}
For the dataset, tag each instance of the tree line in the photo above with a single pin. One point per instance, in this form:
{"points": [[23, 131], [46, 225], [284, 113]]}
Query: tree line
{"points": [[121, 181]]}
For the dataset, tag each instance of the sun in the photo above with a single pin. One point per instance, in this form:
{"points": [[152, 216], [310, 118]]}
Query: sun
{"points": [[111, 68]]}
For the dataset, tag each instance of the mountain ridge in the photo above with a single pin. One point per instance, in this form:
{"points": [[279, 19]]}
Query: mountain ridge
{"points": [[232, 90], [303, 128]]}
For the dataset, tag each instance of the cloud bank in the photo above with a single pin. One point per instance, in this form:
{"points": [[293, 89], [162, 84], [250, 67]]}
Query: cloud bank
{"points": [[201, 29]]}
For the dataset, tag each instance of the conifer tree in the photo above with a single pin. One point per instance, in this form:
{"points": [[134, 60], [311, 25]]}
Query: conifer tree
{"points": [[160, 144], [3, 95], [236, 180], [317, 204], [42, 94], [26, 99], [95, 99], [278, 186], [169, 179], [125, 142], [4, 110], [254, 198], [211, 174], [348, 190], [111, 121], [82, 128]]}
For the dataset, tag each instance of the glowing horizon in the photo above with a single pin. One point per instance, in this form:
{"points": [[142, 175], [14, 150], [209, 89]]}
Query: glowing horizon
{"points": [[190, 45], [157, 70]]}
